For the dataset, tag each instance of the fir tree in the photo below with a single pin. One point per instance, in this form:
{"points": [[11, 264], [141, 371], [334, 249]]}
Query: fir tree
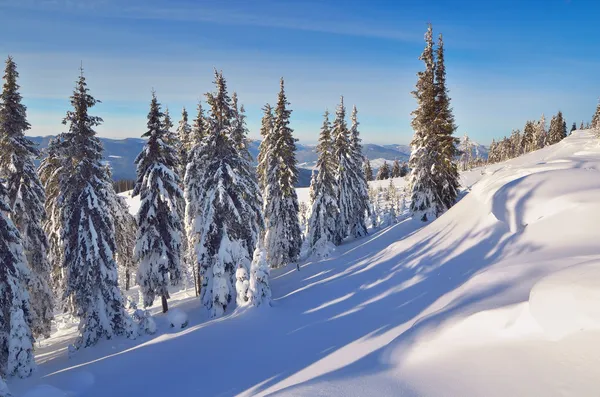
{"points": [[384, 172], [199, 128], [221, 197], [125, 236], [426, 202], [266, 131], [358, 181], [540, 135], [322, 225], [558, 129], [88, 232], [368, 170], [26, 197], [447, 177], [184, 135], [283, 238], [342, 154], [53, 226], [595, 119], [259, 291], [16, 339], [158, 244], [396, 169], [528, 142]]}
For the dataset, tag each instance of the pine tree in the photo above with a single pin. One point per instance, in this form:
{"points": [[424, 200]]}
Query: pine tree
{"points": [[53, 226], [595, 119], [322, 225], [88, 232], [259, 291], [184, 135], [383, 172], [16, 339], [528, 142], [447, 177], [266, 131], [221, 197], [358, 181], [368, 170], [26, 197], [426, 202], [396, 169], [283, 238], [158, 243]]}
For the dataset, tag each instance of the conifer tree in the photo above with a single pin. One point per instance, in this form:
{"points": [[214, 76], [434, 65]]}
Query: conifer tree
{"points": [[447, 177], [259, 291], [266, 131], [16, 339], [426, 202], [219, 185], [515, 143], [384, 172], [358, 181], [581, 127], [283, 237], [558, 129], [88, 232], [184, 135], [53, 226], [573, 128], [396, 169], [125, 236], [540, 135], [322, 225], [26, 197], [528, 142], [404, 169], [342, 152], [158, 243], [199, 127], [368, 170], [595, 119]]}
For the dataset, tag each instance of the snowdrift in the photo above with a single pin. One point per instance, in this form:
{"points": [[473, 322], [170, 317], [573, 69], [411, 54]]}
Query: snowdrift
{"points": [[498, 297]]}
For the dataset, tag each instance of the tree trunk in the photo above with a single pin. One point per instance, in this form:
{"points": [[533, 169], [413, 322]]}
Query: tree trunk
{"points": [[165, 306]]}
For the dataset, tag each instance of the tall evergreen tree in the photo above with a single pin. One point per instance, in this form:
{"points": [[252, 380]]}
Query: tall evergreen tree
{"points": [[283, 237], [88, 231], [595, 118], [448, 179], [573, 128], [158, 246], [16, 339], [25, 197], [342, 152], [396, 169], [53, 226], [426, 203], [360, 189], [581, 126], [368, 170], [540, 135], [199, 127], [528, 142], [125, 236], [384, 172], [266, 131], [558, 129], [218, 186], [184, 135], [322, 225]]}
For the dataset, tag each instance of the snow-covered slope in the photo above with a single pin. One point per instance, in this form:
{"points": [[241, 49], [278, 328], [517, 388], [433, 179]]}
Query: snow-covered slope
{"points": [[498, 297]]}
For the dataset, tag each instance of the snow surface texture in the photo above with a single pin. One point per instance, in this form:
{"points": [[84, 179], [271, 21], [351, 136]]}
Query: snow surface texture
{"points": [[498, 297]]}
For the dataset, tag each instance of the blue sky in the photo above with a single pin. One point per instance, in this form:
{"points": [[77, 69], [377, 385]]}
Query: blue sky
{"points": [[507, 61]]}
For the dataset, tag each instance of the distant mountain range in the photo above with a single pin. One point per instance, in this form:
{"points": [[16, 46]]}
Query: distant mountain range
{"points": [[121, 153]]}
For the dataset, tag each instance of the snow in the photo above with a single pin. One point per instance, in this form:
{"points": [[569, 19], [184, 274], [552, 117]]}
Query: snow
{"points": [[177, 318], [497, 297]]}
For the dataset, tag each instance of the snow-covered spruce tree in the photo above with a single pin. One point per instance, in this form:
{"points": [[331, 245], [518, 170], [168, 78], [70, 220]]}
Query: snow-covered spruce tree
{"points": [[16, 339], [259, 290], [25, 197], [322, 226], [125, 236], [88, 234], [515, 143], [528, 140], [199, 127], [573, 128], [53, 226], [395, 169], [447, 177], [158, 242], [384, 172], [368, 170], [540, 134], [360, 189], [266, 131], [184, 135], [217, 185], [558, 129], [595, 119], [426, 203], [283, 239]]}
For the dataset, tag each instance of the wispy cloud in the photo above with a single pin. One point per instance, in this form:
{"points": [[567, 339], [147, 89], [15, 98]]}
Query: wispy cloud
{"points": [[302, 16]]}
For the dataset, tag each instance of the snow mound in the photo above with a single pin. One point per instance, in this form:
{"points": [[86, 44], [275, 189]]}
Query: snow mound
{"points": [[45, 391], [177, 318], [568, 301]]}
